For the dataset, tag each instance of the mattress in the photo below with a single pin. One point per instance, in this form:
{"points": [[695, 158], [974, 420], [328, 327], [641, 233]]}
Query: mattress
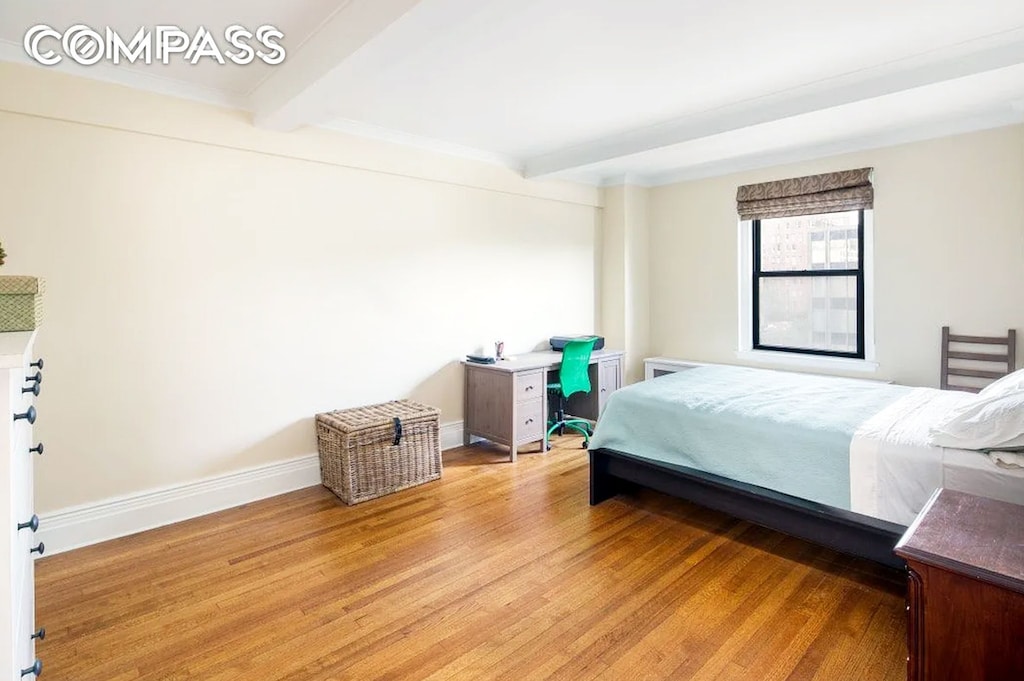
{"points": [[785, 431], [894, 469]]}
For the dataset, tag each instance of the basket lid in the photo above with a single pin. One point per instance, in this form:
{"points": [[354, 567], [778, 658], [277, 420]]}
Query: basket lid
{"points": [[20, 285], [374, 415]]}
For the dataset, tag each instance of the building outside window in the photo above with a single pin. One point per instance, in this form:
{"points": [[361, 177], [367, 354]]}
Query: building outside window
{"points": [[808, 284]]}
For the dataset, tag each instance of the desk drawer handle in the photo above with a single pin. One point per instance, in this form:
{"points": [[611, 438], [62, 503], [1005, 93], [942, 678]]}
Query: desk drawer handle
{"points": [[39, 549], [34, 389], [32, 524], [529, 421], [38, 378], [39, 635], [29, 415], [529, 388], [38, 449], [38, 364]]}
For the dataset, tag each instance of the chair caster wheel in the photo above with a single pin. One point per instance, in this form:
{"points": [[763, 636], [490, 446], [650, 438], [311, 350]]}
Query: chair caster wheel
{"points": [[586, 444]]}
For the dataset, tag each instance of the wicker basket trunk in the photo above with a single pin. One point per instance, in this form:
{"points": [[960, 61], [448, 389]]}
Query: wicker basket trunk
{"points": [[368, 452]]}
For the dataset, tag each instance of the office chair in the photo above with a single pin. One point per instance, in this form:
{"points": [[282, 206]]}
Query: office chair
{"points": [[573, 377]]}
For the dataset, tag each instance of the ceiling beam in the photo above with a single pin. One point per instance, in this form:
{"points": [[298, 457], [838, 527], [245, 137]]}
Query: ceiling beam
{"points": [[966, 59], [944, 127], [298, 92]]}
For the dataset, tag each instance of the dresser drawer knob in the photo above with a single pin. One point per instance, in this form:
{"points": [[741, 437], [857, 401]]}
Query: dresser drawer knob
{"points": [[529, 388], [39, 635], [529, 421], [35, 670], [32, 524], [29, 415], [38, 378], [34, 389], [39, 549], [38, 364], [38, 449]]}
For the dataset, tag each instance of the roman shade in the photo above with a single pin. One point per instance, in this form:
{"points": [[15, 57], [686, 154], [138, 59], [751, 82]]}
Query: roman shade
{"points": [[810, 195]]}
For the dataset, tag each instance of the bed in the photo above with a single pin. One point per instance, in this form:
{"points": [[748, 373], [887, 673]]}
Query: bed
{"points": [[846, 463]]}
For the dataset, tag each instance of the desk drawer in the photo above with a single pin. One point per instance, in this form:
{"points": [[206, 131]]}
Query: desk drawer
{"points": [[529, 386], [529, 421]]}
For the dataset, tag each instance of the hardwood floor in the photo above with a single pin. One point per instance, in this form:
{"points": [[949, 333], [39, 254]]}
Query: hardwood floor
{"points": [[497, 571]]}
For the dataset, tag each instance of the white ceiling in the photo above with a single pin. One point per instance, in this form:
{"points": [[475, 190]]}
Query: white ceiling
{"points": [[598, 90]]}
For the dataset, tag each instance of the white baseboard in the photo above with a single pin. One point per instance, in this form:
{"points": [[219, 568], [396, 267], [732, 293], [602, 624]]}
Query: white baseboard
{"points": [[451, 435], [80, 526], [88, 524]]}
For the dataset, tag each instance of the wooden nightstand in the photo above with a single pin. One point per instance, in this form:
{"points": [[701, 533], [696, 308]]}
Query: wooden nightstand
{"points": [[965, 559]]}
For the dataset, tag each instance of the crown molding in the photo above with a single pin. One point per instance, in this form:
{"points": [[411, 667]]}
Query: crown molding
{"points": [[622, 179], [368, 130]]}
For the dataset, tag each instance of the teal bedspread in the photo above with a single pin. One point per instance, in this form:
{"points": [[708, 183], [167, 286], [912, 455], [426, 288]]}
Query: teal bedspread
{"points": [[785, 431]]}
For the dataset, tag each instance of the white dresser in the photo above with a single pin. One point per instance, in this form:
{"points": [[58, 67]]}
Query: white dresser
{"points": [[20, 380]]}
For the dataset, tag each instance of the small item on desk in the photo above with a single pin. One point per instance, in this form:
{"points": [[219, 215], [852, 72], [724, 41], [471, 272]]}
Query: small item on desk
{"points": [[558, 343], [480, 359], [499, 349]]}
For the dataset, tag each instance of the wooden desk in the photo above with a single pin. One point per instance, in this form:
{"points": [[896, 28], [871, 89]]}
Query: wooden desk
{"points": [[965, 612], [507, 402]]}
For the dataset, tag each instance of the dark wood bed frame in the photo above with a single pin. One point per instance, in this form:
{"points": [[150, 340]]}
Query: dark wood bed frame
{"points": [[612, 472]]}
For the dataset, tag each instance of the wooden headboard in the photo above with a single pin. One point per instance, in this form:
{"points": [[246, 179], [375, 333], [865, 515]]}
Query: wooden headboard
{"points": [[979, 359]]}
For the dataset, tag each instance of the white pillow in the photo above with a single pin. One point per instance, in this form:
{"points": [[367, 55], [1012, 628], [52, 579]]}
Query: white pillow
{"points": [[1007, 384], [984, 422]]}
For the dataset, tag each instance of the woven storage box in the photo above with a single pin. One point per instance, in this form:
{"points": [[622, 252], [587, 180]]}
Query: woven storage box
{"points": [[368, 452], [21, 303]]}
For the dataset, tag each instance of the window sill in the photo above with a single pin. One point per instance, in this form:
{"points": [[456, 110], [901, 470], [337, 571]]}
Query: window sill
{"points": [[808, 361]]}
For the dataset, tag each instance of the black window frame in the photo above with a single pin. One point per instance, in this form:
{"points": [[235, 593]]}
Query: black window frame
{"points": [[858, 273]]}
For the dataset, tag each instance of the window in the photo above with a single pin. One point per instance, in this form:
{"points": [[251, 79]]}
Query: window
{"points": [[808, 284]]}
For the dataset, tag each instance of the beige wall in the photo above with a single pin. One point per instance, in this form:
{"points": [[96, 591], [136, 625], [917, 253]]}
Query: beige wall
{"points": [[211, 286], [949, 249], [625, 283]]}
